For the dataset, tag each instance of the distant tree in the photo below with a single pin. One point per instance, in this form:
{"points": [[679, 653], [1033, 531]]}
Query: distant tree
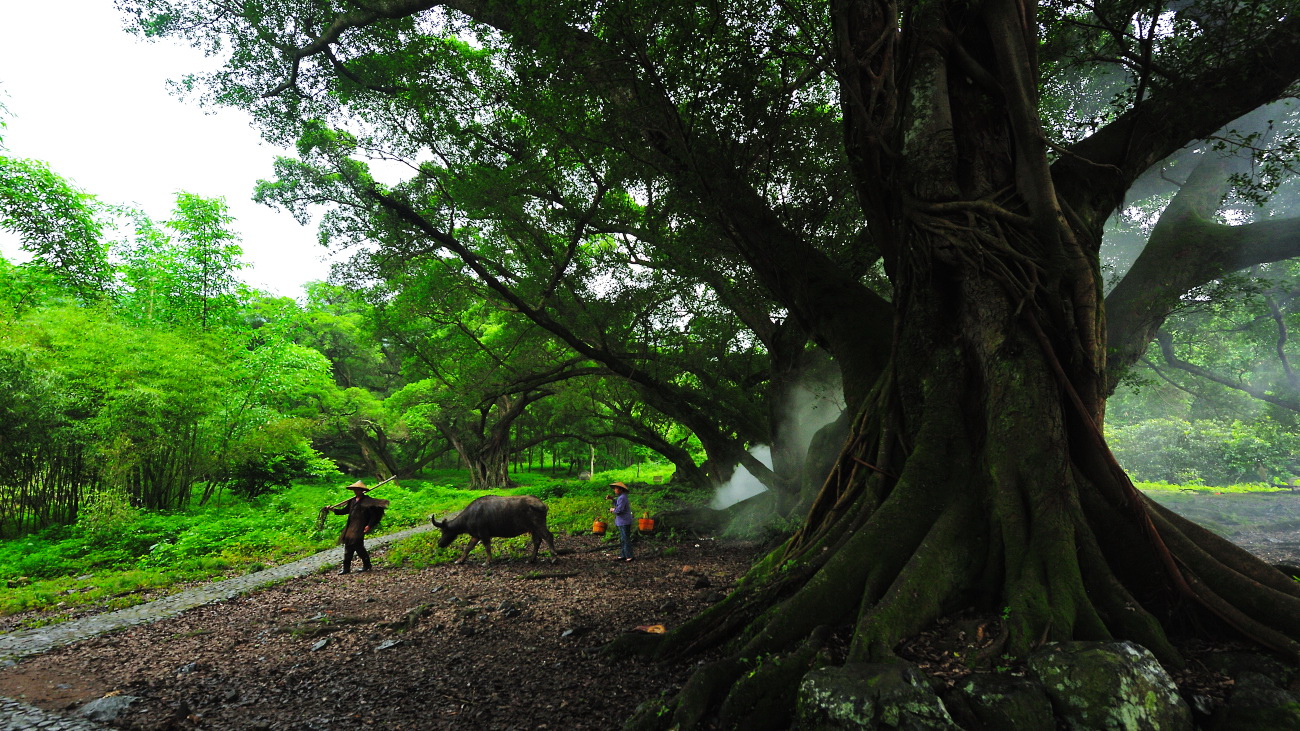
{"points": [[182, 271], [475, 368], [260, 436], [339, 322], [57, 223]]}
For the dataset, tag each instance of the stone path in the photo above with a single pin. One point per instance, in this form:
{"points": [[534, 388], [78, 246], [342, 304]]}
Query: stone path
{"points": [[15, 716], [24, 643]]}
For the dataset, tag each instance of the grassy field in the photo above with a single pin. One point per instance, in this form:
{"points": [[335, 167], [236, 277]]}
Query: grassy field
{"points": [[110, 560], [1217, 490]]}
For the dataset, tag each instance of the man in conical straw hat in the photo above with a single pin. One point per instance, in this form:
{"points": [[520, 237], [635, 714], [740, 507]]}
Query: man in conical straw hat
{"points": [[364, 514], [622, 510]]}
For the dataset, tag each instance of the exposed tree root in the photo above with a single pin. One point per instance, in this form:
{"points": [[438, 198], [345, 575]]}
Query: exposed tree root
{"points": [[1057, 564], [1029, 519]]}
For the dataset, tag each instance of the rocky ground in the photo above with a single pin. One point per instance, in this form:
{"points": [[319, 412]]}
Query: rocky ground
{"points": [[467, 647], [510, 646]]}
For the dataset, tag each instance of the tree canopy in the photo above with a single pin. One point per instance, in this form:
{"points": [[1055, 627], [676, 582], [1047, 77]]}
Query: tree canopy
{"points": [[920, 189]]}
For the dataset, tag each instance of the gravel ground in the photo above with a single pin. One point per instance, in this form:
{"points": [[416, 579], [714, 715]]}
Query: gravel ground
{"points": [[510, 646], [504, 647]]}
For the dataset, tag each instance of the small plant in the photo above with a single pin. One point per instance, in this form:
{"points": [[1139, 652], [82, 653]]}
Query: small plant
{"points": [[105, 513]]}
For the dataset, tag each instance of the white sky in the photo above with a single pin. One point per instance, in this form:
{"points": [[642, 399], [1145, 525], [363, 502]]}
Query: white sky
{"points": [[92, 102]]}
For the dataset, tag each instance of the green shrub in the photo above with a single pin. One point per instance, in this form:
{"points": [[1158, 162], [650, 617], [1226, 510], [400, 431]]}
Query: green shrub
{"points": [[105, 513], [1205, 452]]}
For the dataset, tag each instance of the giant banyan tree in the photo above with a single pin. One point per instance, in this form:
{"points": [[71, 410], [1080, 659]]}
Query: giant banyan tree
{"points": [[975, 473]]}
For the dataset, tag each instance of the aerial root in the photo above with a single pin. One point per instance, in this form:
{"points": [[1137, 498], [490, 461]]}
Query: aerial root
{"points": [[1259, 610], [1119, 613], [765, 695], [939, 572], [1244, 623]]}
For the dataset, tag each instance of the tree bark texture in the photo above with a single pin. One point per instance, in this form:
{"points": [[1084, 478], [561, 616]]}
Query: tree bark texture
{"points": [[976, 473]]}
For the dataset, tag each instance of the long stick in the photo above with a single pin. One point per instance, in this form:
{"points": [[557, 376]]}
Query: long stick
{"points": [[341, 504], [324, 512]]}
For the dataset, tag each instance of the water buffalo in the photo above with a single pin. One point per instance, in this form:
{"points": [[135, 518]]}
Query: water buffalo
{"points": [[497, 516]]}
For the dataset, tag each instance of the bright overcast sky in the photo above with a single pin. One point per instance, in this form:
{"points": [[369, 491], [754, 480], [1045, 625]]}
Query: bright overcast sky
{"points": [[92, 102]]}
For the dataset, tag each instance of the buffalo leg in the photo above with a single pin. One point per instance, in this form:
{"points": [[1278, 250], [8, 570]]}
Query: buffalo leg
{"points": [[468, 547], [549, 537], [538, 537], [487, 548]]}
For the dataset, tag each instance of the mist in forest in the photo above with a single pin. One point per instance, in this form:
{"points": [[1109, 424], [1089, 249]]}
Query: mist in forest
{"points": [[812, 403], [1262, 143], [743, 484]]}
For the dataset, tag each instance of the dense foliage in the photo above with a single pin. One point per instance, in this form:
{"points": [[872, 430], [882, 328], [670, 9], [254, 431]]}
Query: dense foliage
{"points": [[647, 224], [116, 556]]}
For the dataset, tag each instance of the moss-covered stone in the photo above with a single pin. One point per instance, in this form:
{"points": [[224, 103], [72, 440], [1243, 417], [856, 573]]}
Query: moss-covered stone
{"points": [[1258, 703], [995, 702], [1109, 685], [870, 696], [764, 698]]}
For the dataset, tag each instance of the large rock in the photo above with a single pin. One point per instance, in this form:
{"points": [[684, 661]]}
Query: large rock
{"points": [[108, 708], [870, 696], [997, 702], [1258, 703], [1109, 685]]}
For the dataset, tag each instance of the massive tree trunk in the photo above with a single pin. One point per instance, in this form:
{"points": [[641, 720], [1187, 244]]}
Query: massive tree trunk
{"points": [[976, 473], [487, 458], [375, 447], [483, 439]]}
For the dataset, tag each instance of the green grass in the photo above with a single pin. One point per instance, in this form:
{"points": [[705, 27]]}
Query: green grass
{"points": [[115, 562], [1221, 489], [572, 506]]}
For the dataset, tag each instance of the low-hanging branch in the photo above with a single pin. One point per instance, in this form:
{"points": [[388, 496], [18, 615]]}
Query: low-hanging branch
{"points": [[1166, 342]]}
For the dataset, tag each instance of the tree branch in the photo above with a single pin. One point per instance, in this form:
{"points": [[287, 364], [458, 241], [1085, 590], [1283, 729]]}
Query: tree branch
{"points": [[1187, 109], [1166, 342]]}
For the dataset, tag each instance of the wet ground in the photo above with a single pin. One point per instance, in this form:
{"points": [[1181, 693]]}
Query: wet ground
{"points": [[1265, 523]]}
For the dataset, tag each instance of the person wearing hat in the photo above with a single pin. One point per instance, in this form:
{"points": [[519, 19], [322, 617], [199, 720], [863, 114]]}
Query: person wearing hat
{"points": [[364, 514], [622, 510]]}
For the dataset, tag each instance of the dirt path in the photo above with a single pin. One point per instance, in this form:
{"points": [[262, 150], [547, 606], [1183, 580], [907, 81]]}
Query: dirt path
{"points": [[511, 646], [23, 643]]}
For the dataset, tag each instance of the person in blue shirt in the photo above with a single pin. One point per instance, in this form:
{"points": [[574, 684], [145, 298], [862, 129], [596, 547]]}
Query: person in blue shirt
{"points": [[622, 510]]}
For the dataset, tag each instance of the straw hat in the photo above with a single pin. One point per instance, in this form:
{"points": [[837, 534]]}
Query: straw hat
{"points": [[619, 484], [359, 485]]}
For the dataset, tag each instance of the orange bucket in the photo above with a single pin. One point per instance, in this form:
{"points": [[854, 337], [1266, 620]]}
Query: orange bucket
{"points": [[645, 525], [598, 527]]}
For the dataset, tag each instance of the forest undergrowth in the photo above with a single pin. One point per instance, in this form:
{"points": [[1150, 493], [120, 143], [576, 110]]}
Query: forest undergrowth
{"points": [[123, 556]]}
